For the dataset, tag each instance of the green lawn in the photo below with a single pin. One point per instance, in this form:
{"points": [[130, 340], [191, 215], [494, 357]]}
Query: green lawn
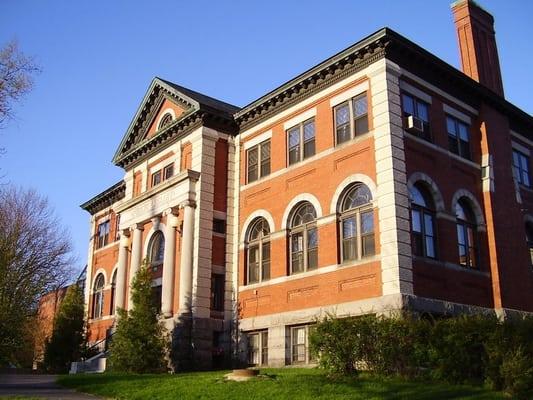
{"points": [[274, 384]]}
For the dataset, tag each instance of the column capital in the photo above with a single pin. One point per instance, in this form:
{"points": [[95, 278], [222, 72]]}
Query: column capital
{"points": [[188, 203], [171, 211], [137, 226]]}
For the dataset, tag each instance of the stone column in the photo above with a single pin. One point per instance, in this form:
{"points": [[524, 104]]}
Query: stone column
{"points": [[120, 290], [136, 256], [169, 264], [186, 261]]}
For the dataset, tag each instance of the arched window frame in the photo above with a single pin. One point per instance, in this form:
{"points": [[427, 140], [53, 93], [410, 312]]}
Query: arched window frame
{"points": [[156, 250], [303, 239], [113, 292], [423, 222], [466, 234], [360, 240], [98, 296], [258, 252], [165, 121]]}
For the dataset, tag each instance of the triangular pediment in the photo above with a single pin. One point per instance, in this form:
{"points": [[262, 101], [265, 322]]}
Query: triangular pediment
{"points": [[164, 108], [160, 99]]}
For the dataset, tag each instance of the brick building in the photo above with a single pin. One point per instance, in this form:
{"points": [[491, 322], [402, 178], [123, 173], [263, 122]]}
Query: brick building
{"points": [[380, 179]]}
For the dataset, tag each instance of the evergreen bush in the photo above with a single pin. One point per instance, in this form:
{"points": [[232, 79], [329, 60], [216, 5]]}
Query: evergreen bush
{"points": [[139, 343]]}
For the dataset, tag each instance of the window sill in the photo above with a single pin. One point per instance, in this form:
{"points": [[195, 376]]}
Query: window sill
{"points": [[307, 274], [107, 246], [317, 156], [101, 319], [451, 266]]}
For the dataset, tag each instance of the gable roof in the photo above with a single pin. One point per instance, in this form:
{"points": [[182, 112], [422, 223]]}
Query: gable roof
{"points": [[196, 106]]}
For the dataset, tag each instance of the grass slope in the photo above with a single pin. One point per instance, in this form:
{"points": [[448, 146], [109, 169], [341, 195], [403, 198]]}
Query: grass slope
{"points": [[280, 384]]}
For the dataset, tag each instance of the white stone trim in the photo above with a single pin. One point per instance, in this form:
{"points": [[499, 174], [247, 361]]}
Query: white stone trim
{"points": [[299, 118], [476, 208], [457, 114], [348, 181], [98, 272], [348, 94], [308, 161], [310, 100], [303, 275], [258, 139], [167, 110], [406, 87], [431, 186], [442, 150], [299, 198], [113, 272], [440, 92], [257, 214], [522, 149], [151, 232]]}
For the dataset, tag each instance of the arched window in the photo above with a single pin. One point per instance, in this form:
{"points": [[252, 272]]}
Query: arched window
{"points": [[258, 261], [166, 120], [466, 234], [113, 292], [422, 222], [156, 250], [98, 296], [529, 235], [356, 223], [303, 238]]}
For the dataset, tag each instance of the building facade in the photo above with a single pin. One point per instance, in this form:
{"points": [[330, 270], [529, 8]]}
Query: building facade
{"points": [[381, 179]]}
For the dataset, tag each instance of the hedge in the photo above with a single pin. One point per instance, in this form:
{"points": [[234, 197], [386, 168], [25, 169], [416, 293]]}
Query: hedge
{"points": [[464, 349]]}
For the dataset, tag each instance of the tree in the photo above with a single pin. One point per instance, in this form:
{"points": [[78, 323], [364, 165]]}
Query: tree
{"points": [[68, 339], [16, 78], [34, 259], [139, 344]]}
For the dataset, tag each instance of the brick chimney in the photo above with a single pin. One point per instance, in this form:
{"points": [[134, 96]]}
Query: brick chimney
{"points": [[477, 44]]}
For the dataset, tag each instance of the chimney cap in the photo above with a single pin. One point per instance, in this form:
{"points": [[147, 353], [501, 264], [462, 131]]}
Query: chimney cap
{"points": [[473, 4]]}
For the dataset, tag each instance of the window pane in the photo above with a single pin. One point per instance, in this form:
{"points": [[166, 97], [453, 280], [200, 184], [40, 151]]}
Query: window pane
{"points": [[265, 158], [430, 246], [368, 245], [422, 111], [428, 224], [525, 178], [312, 258], [417, 243], [349, 249], [463, 132], [265, 273], [450, 126], [297, 252], [416, 221], [343, 133], [360, 106], [524, 163], [516, 158], [342, 115], [361, 125], [309, 130], [252, 164], [464, 149], [367, 222], [454, 146], [461, 238], [349, 228], [309, 148], [294, 137], [294, 155], [408, 104]]}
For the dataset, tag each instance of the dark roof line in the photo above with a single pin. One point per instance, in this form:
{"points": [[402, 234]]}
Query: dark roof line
{"points": [[105, 198]]}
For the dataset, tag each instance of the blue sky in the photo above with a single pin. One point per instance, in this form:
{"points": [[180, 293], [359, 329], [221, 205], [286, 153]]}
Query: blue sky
{"points": [[98, 58]]}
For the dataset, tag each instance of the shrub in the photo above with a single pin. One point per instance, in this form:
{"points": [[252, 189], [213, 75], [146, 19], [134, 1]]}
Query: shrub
{"points": [[67, 341], [139, 343]]}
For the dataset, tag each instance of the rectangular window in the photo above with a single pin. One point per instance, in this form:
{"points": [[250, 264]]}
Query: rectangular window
{"points": [[458, 136], [521, 168], [219, 226], [103, 234], [168, 171], [258, 348], [351, 118], [418, 109], [156, 178], [301, 141], [217, 292], [299, 336], [258, 161]]}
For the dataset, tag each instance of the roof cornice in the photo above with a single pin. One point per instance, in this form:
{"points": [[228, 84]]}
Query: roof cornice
{"points": [[335, 68], [106, 198]]}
